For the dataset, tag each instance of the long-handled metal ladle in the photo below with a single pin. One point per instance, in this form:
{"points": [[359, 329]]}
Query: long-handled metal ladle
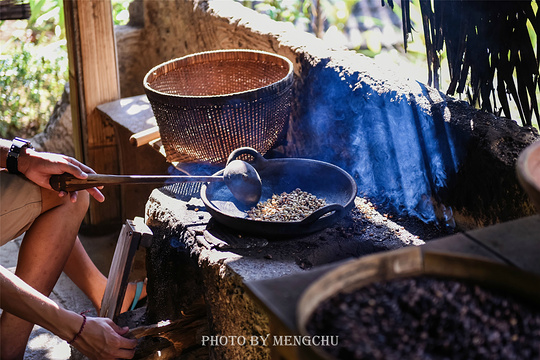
{"points": [[240, 177]]}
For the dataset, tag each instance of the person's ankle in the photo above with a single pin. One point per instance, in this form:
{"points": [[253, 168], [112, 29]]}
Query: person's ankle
{"points": [[129, 297]]}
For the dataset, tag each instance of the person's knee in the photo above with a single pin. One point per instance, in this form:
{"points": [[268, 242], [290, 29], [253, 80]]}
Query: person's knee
{"points": [[79, 207], [83, 201], [51, 200]]}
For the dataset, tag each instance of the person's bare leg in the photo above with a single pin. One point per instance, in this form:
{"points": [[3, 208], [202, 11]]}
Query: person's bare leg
{"points": [[84, 273], [44, 251]]}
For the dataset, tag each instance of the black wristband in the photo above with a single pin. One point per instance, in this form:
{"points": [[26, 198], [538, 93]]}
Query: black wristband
{"points": [[12, 160]]}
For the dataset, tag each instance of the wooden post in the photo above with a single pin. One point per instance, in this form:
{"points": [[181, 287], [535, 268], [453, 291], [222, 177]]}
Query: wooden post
{"points": [[94, 80]]}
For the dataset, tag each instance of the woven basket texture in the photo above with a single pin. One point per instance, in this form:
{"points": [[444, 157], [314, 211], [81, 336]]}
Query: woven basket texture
{"points": [[208, 104]]}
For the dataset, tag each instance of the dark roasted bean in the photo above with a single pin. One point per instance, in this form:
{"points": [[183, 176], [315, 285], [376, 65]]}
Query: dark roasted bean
{"points": [[428, 318]]}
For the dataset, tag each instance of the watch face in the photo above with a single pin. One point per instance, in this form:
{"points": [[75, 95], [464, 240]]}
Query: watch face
{"points": [[20, 143]]}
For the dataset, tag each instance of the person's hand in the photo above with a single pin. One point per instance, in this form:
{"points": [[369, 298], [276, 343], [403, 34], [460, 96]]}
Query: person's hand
{"points": [[102, 339], [39, 166]]}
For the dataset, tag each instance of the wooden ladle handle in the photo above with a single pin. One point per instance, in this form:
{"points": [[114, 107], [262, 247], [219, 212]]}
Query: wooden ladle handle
{"points": [[68, 182]]}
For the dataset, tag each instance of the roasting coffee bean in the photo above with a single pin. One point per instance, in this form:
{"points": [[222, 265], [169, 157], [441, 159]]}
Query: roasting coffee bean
{"points": [[293, 206], [429, 318]]}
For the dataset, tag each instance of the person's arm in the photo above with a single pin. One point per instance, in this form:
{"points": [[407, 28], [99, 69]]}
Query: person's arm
{"points": [[100, 338], [39, 166], [4, 149]]}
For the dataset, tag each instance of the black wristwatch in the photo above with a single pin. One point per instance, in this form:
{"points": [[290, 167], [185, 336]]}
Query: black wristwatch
{"points": [[12, 161]]}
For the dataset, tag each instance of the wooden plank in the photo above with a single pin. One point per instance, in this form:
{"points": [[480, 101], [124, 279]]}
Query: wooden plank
{"points": [[518, 241], [73, 47], [134, 233], [146, 234], [93, 81], [133, 113], [98, 53], [113, 291], [13, 11], [461, 244]]}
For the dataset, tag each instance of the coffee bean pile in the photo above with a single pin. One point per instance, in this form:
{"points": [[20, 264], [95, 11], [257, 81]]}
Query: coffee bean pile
{"points": [[428, 318], [293, 206]]}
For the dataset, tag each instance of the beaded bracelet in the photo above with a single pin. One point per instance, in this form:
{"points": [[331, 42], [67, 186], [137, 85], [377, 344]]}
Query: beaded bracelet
{"points": [[81, 329]]}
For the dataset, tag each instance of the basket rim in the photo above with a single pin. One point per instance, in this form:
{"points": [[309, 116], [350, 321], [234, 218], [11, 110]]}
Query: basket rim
{"points": [[281, 84]]}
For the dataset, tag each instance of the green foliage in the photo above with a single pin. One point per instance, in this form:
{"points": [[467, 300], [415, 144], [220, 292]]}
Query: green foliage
{"points": [[337, 12], [296, 11], [33, 69], [492, 54], [486, 50], [33, 66], [30, 88], [47, 17], [318, 16], [120, 11]]}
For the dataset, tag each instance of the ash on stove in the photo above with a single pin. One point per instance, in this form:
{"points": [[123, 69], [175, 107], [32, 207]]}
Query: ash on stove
{"points": [[368, 228], [372, 217]]}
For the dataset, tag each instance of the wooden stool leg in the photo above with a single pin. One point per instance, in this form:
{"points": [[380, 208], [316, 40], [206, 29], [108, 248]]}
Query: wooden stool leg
{"points": [[134, 233]]}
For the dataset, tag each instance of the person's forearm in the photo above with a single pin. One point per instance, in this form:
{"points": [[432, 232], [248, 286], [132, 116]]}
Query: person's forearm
{"points": [[18, 298], [4, 149], [38, 167]]}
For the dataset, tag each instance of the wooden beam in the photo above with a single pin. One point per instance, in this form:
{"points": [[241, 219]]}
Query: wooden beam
{"points": [[93, 76], [11, 10]]}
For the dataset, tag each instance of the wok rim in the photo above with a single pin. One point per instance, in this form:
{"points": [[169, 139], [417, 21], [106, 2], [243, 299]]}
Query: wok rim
{"points": [[283, 227]]}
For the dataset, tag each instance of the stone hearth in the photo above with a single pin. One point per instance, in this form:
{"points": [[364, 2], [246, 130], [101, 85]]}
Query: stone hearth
{"points": [[193, 256]]}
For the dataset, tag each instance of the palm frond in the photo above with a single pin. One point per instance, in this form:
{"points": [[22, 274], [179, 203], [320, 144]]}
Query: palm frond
{"points": [[486, 42]]}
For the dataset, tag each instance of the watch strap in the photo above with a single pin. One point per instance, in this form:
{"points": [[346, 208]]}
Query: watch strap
{"points": [[12, 161]]}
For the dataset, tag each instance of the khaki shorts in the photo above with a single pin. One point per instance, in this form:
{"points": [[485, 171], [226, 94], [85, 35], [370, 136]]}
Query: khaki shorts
{"points": [[20, 205]]}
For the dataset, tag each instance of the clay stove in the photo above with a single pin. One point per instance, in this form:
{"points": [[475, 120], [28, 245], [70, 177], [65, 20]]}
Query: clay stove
{"points": [[194, 257]]}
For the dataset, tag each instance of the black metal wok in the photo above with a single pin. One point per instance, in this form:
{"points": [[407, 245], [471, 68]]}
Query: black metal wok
{"points": [[321, 179]]}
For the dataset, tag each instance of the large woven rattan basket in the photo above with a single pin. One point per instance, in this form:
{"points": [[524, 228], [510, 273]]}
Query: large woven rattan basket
{"points": [[208, 104]]}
